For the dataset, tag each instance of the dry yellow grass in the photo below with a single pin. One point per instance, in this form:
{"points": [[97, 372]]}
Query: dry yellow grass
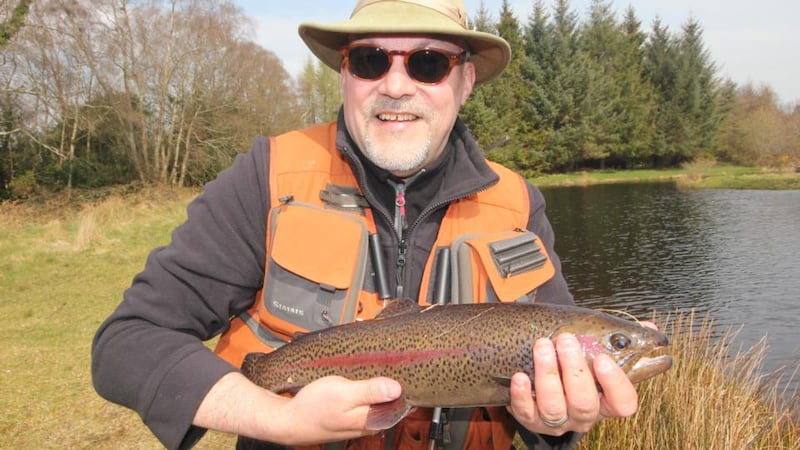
{"points": [[712, 398]]}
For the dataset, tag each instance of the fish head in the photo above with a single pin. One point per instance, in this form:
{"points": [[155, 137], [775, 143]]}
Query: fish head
{"points": [[641, 351]]}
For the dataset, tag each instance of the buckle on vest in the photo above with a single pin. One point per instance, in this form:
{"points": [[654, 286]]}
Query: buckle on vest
{"points": [[517, 255], [343, 197]]}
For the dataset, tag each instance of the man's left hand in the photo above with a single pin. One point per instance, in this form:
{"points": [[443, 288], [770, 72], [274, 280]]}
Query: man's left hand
{"points": [[567, 398]]}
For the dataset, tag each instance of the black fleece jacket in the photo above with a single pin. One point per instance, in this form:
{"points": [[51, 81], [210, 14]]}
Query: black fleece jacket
{"points": [[149, 354]]}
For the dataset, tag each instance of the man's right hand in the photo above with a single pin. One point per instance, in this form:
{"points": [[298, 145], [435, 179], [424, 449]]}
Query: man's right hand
{"points": [[329, 409]]}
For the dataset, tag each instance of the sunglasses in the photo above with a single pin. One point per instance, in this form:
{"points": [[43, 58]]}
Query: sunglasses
{"points": [[424, 65]]}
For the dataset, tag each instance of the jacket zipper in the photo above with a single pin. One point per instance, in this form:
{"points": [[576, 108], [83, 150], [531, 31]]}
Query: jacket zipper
{"points": [[400, 225], [404, 231]]}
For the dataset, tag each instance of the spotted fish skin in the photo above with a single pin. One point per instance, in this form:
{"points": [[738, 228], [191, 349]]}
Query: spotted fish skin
{"points": [[455, 355]]}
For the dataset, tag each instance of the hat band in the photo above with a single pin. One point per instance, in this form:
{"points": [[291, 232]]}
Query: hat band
{"points": [[456, 14]]}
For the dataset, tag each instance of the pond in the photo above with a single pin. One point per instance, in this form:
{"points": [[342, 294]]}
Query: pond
{"points": [[730, 254]]}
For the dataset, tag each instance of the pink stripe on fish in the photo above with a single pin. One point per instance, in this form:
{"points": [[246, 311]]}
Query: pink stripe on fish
{"points": [[390, 358]]}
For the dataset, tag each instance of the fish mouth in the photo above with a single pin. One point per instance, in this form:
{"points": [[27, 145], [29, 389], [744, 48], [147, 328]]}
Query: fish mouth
{"points": [[650, 365]]}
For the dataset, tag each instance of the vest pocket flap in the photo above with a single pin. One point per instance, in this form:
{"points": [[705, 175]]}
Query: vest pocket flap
{"points": [[320, 245], [516, 262]]}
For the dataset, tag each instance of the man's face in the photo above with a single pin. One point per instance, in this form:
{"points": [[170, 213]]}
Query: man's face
{"points": [[401, 124]]}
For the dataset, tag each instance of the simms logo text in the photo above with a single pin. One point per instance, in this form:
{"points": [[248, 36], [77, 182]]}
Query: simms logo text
{"points": [[287, 309]]}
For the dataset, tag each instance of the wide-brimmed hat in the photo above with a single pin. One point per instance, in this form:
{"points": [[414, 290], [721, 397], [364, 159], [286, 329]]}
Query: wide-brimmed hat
{"points": [[448, 18]]}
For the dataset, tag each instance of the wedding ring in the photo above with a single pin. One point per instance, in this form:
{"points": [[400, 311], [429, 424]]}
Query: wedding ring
{"points": [[555, 423]]}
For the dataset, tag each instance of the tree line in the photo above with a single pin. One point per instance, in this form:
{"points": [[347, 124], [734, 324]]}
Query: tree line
{"points": [[602, 92], [103, 92]]}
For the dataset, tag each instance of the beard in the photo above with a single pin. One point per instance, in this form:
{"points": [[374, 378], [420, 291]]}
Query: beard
{"points": [[400, 151], [397, 154]]}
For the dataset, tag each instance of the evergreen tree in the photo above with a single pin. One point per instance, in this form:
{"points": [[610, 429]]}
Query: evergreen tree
{"points": [[538, 107], [601, 42], [477, 113], [690, 104], [493, 113], [636, 93], [697, 97], [660, 70], [558, 78], [509, 89]]}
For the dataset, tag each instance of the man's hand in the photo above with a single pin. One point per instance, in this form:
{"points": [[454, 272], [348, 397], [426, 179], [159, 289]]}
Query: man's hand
{"points": [[335, 408], [329, 409], [567, 398]]}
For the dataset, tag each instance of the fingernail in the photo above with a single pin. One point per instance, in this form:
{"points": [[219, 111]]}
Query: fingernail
{"points": [[604, 363], [391, 390], [544, 347], [568, 343]]}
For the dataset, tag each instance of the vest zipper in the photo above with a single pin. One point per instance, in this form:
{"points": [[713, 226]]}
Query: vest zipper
{"points": [[399, 208], [400, 227], [404, 230], [402, 247]]}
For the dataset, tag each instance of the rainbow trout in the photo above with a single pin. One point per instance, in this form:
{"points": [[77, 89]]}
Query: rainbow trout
{"points": [[453, 355]]}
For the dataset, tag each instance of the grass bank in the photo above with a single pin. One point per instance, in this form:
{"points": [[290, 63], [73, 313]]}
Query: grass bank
{"points": [[63, 268], [695, 176], [707, 400]]}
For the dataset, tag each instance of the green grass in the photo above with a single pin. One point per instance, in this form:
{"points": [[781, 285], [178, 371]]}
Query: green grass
{"points": [[61, 274], [63, 269], [696, 176]]}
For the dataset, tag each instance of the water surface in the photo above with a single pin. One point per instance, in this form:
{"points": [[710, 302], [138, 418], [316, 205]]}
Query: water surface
{"points": [[731, 254]]}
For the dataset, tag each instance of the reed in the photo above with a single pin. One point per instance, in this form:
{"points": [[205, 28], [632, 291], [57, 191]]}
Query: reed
{"points": [[714, 397]]}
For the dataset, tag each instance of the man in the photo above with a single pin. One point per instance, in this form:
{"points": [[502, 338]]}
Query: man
{"points": [[404, 166]]}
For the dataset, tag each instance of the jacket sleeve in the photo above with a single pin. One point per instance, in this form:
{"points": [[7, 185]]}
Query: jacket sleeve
{"points": [[149, 354], [555, 290], [541, 442]]}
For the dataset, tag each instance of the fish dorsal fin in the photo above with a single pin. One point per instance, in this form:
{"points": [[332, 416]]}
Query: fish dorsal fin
{"points": [[398, 307], [298, 334]]}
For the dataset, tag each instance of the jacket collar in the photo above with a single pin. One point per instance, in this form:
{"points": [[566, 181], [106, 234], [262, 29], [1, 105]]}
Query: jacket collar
{"points": [[459, 172]]}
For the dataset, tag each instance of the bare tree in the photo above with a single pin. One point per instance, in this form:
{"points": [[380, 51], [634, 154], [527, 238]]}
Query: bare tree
{"points": [[13, 19], [173, 87], [319, 92], [759, 132]]}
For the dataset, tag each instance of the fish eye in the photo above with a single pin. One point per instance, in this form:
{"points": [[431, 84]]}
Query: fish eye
{"points": [[619, 341]]}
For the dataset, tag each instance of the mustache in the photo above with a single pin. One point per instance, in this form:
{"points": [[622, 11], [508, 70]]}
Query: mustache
{"points": [[392, 104]]}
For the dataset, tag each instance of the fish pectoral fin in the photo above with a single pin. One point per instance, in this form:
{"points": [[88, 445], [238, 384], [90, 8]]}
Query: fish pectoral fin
{"points": [[383, 416], [503, 380]]}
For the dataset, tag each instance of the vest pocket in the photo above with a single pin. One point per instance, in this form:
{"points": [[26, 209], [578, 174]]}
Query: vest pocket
{"points": [[502, 266], [317, 265]]}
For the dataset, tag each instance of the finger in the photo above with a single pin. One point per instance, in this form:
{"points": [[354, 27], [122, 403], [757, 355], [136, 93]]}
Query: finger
{"points": [[521, 405], [521, 391], [551, 404], [378, 390], [583, 401], [620, 398], [345, 411]]}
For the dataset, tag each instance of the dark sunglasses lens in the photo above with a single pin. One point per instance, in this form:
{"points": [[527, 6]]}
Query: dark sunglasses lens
{"points": [[428, 66], [368, 63]]}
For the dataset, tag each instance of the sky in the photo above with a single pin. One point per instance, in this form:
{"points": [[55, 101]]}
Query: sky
{"points": [[750, 41]]}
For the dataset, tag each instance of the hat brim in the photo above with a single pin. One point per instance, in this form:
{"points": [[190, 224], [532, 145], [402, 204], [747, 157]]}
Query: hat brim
{"points": [[489, 53]]}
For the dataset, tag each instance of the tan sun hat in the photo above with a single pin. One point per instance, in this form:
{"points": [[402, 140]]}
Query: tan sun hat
{"points": [[489, 53]]}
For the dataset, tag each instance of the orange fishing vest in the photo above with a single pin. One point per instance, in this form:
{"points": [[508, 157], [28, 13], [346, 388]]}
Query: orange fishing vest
{"points": [[319, 273]]}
